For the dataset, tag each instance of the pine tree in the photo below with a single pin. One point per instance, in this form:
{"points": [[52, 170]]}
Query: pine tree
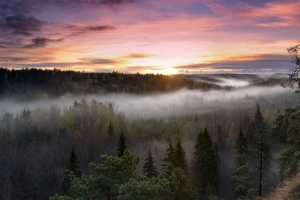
{"points": [[149, 168], [110, 129], [280, 127], [205, 164], [241, 171], [121, 144], [259, 146], [170, 155], [289, 159], [180, 158], [73, 168]]}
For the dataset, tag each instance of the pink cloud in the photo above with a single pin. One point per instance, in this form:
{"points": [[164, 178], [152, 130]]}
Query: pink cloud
{"points": [[285, 13]]}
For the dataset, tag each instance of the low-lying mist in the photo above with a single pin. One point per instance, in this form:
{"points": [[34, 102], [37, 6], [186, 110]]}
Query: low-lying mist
{"points": [[163, 105], [235, 80], [54, 130]]}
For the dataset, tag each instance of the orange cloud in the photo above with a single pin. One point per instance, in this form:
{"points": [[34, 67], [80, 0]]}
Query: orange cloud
{"points": [[139, 55]]}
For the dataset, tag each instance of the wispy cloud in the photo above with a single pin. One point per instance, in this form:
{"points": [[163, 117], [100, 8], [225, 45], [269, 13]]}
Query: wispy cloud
{"points": [[139, 55], [100, 61], [248, 64], [150, 36], [76, 30], [41, 42], [21, 24]]}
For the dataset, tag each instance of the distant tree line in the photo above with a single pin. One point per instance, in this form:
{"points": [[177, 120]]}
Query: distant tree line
{"points": [[28, 84]]}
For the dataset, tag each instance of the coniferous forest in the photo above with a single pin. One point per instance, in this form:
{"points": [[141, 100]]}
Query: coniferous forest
{"points": [[74, 135]]}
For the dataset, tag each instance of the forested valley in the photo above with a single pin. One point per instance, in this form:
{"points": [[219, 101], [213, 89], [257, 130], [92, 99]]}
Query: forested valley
{"points": [[75, 135]]}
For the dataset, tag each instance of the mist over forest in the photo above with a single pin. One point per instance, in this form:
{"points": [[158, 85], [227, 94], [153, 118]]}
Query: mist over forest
{"points": [[46, 113]]}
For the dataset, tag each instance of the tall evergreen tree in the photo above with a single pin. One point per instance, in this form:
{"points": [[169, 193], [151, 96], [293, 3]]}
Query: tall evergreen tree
{"points": [[241, 170], [170, 155], [73, 167], [149, 168], [289, 159], [180, 158], [110, 129], [204, 164], [121, 144], [259, 147], [280, 127]]}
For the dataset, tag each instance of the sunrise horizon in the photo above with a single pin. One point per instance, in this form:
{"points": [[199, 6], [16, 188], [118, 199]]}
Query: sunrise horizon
{"points": [[164, 37]]}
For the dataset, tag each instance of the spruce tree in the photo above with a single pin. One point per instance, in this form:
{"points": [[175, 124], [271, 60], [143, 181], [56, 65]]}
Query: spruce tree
{"points": [[180, 158], [149, 168], [110, 128], [259, 147], [205, 164], [73, 168], [289, 159], [241, 170], [169, 156], [121, 144]]}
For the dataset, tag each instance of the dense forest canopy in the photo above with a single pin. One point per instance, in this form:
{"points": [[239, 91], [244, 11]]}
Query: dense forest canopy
{"points": [[29, 84], [75, 135]]}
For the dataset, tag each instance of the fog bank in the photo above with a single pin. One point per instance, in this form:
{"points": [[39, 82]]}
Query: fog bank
{"points": [[181, 102]]}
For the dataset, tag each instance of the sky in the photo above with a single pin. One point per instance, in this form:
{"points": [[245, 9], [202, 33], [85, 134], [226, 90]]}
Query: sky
{"points": [[149, 36]]}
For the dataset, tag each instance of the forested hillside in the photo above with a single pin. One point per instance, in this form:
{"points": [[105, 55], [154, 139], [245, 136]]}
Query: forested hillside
{"points": [[186, 144], [30, 84], [36, 146]]}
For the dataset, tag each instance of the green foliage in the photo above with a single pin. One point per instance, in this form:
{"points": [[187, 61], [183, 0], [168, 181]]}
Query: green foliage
{"points": [[149, 168], [294, 76], [180, 158], [121, 144], [171, 183], [210, 193], [289, 158], [73, 170], [180, 186], [30, 84], [241, 171], [280, 127], [144, 188], [204, 165], [241, 149], [113, 172], [259, 141], [170, 155], [116, 179], [259, 147], [110, 129]]}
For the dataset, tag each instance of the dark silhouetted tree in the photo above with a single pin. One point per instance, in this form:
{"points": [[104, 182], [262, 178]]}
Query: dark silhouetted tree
{"points": [[241, 176], [149, 168], [204, 164], [180, 158], [289, 159], [294, 76], [73, 168], [121, 144], [259, 144], [110, 129], [170, 155]]}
